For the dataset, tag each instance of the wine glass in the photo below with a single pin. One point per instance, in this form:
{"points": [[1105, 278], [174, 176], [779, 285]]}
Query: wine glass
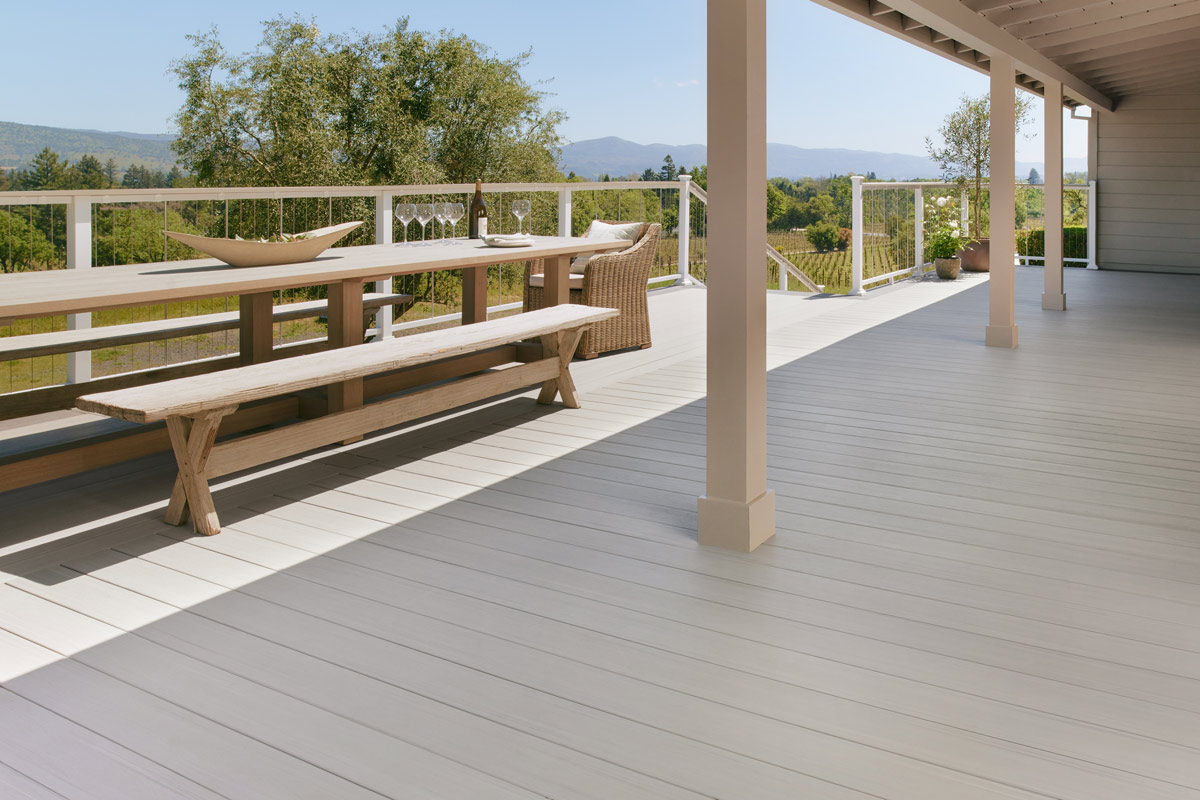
{"points": [[424, 214], [406, 212], [520, 210], [454, 212], [439, 215]]}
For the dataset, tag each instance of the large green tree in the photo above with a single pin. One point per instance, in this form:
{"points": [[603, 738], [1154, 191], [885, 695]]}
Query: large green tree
{"points": [[307, 108], [965, 152]]}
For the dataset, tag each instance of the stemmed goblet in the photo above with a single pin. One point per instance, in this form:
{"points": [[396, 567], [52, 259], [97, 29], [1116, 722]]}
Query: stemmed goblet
{"points": [[454, 212], [424, 214], [520, 210], [406, 212]]}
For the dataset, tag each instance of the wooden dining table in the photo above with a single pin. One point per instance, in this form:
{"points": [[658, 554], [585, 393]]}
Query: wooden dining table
{"points": [[343, 270]]}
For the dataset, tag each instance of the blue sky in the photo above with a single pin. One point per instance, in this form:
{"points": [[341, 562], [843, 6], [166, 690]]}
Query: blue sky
{"points": [[621, 68]]}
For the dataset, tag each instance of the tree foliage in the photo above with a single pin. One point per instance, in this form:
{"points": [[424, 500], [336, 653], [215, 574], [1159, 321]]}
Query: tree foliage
{"points": [[965, 153], [307, 108]]}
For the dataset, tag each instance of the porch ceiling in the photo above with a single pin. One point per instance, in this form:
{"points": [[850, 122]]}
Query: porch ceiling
{"points": [[1101, 50]]}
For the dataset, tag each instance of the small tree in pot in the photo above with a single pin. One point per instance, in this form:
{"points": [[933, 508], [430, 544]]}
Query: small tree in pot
{"points": [[944, 238], [965, 154]]}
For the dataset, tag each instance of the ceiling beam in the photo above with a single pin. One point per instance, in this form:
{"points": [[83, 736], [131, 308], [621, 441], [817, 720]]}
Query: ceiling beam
{"points": [[1143, 37], [1189, 83], [1162, 66], [954, 18], [1078, 61], [1049, 8], [1095, 20], [1130, 26], [1166, 53]]}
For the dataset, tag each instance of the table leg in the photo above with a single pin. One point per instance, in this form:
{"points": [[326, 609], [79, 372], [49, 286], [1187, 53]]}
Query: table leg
{"points": [[346, 330], [558, 280], [255, 337], [475, 299]]}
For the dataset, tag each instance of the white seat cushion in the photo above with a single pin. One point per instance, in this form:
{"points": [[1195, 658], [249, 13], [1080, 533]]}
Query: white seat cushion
{"points": [[604, 232], [540, 280]]}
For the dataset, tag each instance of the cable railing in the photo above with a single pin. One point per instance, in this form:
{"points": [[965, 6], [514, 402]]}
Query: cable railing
{"points": [[889, 225], [96, 228]]}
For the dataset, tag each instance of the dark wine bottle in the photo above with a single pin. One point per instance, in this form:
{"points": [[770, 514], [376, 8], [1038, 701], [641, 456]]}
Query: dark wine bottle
{"points": [[477, 216]]}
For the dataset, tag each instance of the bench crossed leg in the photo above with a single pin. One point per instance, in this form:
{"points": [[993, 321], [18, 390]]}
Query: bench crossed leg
{"points": [[562, 345], [192, 440]]}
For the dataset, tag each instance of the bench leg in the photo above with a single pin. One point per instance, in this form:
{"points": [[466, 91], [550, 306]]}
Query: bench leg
{"points": [[192, 440], [561, 345]]}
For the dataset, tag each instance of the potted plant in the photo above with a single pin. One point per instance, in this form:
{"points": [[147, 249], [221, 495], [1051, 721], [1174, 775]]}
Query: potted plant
{"points": [[944, 238]]}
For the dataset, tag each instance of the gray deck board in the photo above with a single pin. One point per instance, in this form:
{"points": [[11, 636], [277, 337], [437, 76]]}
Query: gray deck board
{"points": [[985, 583]]}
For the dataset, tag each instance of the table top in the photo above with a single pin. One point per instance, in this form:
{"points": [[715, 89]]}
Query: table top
{"points": [[62, 291]]}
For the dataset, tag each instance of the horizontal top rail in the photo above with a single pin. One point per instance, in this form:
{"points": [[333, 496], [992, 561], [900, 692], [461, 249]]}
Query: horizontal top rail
{"points": [[63, 196], [953, 185]]}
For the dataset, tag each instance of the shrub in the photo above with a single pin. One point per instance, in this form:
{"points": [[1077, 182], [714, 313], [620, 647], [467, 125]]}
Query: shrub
{"points": [[1033, 242], [845, 235], [823, 236]]}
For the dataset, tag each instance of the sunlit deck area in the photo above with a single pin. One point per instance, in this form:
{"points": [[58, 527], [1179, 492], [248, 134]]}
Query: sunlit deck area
{"points": [[985, 582]]}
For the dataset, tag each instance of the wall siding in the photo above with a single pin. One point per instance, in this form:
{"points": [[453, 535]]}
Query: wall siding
{"points": [[1148, 173]]}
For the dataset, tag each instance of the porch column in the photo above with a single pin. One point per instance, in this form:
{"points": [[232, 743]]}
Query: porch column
{"points": [[1053, 298], [737, 510], [1002, 326]]}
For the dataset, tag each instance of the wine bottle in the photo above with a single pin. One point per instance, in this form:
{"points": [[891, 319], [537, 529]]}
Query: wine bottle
{"points": [[477, 217]]}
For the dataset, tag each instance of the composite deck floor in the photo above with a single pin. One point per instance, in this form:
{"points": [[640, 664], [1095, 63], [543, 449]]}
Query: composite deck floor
{"points": [[985, 583]]}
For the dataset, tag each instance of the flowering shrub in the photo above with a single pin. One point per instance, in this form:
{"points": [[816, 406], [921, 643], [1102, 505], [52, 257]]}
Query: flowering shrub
{"points": [[944, 236]]}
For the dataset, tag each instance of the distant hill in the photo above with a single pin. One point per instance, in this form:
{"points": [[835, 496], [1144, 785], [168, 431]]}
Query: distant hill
{"points": [[611, 155], [20, 143]]}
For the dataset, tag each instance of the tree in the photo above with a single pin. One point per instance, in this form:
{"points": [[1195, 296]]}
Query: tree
{"points": [[965, 154], [46, 172], [110, 172], [777, 203], [649, 175], [88, 173], [1034, 177], [668, 171], [396, 107]]}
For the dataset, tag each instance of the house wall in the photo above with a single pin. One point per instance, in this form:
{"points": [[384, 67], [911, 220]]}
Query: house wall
{"points": [[1148, 184]]}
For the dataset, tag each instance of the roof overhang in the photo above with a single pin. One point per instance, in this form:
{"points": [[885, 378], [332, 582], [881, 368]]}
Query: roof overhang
{"points": [[1100, 50]]}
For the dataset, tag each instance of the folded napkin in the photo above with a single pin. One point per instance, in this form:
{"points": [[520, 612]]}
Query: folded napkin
{"points": [[507, 237]]}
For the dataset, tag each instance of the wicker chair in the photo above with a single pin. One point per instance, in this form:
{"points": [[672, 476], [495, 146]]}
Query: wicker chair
{"points": [[610, 280]]}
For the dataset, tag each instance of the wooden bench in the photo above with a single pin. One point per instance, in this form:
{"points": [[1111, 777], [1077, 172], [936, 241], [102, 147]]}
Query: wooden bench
{"points": [[193, 407], [56, 342]]}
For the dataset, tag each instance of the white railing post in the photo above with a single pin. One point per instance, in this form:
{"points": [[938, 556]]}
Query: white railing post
{"points": [[856, 224], [79, 256], [685, 228], [1091, 234], [964, 208], [919, 233], [384, 203], [564, 212]]}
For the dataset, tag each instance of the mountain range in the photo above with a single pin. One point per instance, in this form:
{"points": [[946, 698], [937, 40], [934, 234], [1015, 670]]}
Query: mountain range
{"points": [[591, 158], [20, 143]]}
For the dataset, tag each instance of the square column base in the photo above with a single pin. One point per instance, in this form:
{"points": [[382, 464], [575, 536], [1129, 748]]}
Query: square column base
{"points": [[1001, 336], [1054, 302], [735, 525]]}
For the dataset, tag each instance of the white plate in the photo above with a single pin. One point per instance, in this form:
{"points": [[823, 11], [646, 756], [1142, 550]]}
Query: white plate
{"points": [[511, 240]]}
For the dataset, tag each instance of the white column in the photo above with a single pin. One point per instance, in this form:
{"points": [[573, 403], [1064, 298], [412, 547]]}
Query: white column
{"points": [[737, 510], [564, 212], [919, 232], [1053, 297], [79, 256], [384, 204], [685, 228], [1092, 233], [1002, 325], [964, 208], [856, 239]]}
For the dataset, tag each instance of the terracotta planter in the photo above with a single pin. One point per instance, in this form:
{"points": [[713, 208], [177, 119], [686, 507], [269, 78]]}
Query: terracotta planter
{"points": [[947, 268], [976, 256]]}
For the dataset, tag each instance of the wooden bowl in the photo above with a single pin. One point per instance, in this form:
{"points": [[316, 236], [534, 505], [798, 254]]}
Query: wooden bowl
{"points": [[240, 253]]}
